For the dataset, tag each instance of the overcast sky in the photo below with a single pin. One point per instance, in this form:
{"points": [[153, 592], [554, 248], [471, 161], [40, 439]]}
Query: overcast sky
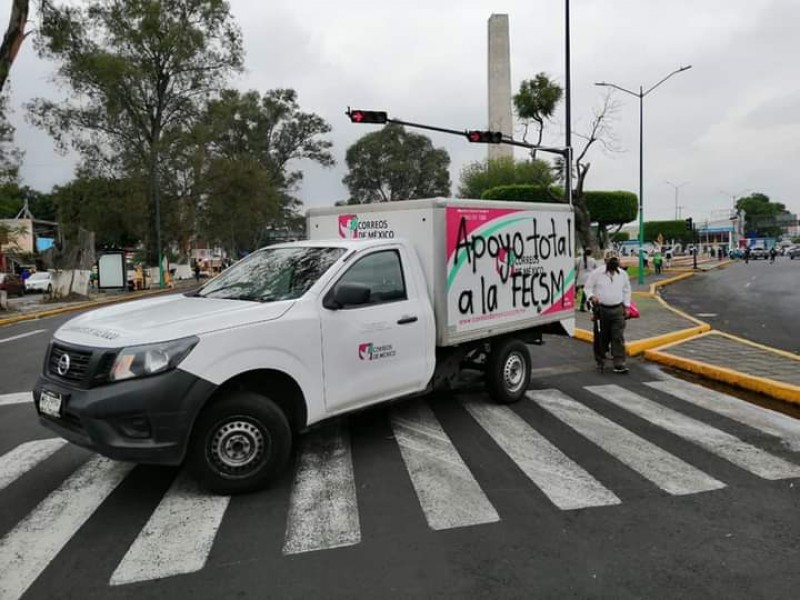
{"points": [[729, 125]]}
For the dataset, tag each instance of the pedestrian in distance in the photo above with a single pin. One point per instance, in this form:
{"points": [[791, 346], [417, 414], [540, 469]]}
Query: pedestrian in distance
{"points": [[747, 255], [197, 272], [772, 254], [609, 291], [668, 258], [657, 261], [586, 264]]}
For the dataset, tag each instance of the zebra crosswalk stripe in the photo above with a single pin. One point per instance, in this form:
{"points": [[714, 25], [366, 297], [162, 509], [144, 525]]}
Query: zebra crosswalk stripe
{"points": [[178, 537], [668, 472], [28, 548], [16, 398], [20, 460], [763, 419], [448, 493], [323, 510], [722, 444], [566, 484]]}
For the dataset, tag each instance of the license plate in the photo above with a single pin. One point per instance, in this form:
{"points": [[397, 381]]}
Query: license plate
{"points": [[50, 404]]}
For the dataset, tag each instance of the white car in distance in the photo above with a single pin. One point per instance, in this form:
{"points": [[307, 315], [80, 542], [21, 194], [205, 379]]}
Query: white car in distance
{"points": [[41, 281]]}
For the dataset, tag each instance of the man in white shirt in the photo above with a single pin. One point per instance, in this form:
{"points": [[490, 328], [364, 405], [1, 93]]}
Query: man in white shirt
{"points": [[609, 292]]}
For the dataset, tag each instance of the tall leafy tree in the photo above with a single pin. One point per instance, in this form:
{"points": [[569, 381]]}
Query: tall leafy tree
{"points": [[243, 153], [536, 102], [13, 38], [10, 155], [138, 72], [762, 217], [478, 177], [392, 164]]}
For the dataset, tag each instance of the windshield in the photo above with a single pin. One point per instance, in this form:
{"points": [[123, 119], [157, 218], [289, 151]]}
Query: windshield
{"points": [[272, 274], [37, 276]]}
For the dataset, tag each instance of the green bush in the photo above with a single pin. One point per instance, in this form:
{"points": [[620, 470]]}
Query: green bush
{"points": [[524, 193], [612, 208]]}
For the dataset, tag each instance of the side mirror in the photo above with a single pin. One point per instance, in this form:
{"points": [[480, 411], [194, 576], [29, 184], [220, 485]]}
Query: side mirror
{"points": [[346, 294]]}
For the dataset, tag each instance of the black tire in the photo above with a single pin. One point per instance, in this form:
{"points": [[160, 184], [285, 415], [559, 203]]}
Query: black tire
{"points": [[242, 427], [508, 371]]}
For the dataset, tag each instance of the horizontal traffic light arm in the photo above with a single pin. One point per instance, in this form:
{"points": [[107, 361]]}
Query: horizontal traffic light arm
{"points": [[466, 133]]}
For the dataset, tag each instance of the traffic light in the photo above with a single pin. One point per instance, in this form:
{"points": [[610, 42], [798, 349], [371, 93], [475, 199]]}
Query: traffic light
{"points": [[689, 224], [368, 116], [485, 137]]}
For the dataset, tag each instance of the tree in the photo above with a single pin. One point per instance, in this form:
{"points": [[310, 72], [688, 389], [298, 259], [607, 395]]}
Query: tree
{"points": [[763, 218], [599, 132], [139, 71], [10, 155], [111, 208], [13, 38], [12, 200], [610, 209], [669, 230], [520, 192], [535, 103], [241, 155], [392, 164], [478, 177]]}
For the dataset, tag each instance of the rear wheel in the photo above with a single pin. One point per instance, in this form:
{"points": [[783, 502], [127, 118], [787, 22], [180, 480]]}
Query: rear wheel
{"points": [[239, 443], [508, 371]]}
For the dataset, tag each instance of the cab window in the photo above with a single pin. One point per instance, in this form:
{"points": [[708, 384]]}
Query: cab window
{"points": [[382, 273]]}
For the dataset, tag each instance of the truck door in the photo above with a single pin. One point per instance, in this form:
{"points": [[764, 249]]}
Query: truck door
{"points": [[382, 347]]}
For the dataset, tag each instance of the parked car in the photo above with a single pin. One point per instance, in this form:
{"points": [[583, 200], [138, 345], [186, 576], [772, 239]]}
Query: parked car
{"points": [[793, 252], [41, 281], [11, 284], [756, 253], [736, 253]]}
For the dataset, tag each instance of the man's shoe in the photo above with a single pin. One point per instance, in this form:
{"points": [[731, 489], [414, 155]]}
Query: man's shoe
{"points": [[621, 370]]}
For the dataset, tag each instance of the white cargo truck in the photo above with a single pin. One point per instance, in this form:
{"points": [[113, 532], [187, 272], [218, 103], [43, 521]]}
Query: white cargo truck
{"points": [[381, 302]]}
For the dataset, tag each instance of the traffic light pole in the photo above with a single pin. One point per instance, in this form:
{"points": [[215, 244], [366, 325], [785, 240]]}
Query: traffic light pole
{"points": [[694, 250]]}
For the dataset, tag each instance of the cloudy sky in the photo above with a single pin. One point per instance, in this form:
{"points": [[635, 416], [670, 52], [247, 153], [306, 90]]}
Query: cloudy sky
{"points": [[729, 125]]}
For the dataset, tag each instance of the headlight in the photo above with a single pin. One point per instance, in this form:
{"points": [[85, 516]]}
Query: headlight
{"points": [[140, 361]]}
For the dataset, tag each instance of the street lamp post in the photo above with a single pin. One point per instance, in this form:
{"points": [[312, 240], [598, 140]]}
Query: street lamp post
{"points": [[677, 187], [641, 94]]}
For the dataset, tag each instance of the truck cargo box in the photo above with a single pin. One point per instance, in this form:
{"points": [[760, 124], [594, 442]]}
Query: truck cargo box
{"points": [[491, 267]]}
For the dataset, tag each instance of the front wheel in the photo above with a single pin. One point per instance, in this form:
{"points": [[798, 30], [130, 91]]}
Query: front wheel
{"points": [[508, 371], [239, 443]]}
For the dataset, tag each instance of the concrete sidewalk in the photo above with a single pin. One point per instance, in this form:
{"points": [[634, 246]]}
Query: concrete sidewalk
{"points": [[670, 337]]}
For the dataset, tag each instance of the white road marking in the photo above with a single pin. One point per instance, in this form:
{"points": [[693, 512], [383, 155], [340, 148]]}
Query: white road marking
{"points": [[36, 540], [566, 484], [323, 510], [448, 493], [668, 472], [774, 423], [20, 460], [706, 315], [722, 444], [178, 537], [17, 398], [22, 335], [747, 285]]}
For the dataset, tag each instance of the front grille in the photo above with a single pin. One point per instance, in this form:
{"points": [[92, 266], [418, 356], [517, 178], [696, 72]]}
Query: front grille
{"points": [[78, 363]]}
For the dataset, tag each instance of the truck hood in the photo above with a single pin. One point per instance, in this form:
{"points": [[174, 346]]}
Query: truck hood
{"points": [[164, 318]]}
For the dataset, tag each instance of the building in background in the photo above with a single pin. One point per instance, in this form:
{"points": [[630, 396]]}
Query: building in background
{"points": [[499, 85]]}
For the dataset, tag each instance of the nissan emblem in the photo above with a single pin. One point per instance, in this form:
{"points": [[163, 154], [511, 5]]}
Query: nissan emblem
{"points": [[63, 364]]}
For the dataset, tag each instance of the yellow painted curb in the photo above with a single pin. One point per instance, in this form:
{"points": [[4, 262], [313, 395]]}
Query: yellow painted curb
{"points": [[636, 347], [778, 351], [43, 314], [769, 387], [682, 314], [657, 284]]}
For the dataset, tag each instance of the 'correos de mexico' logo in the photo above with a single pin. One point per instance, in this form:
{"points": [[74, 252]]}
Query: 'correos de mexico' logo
{"points": [[369, 351], [348, 226]]}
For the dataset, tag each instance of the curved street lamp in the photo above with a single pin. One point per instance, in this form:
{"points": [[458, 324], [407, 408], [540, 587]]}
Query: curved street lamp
{"points": [[641, 94]]}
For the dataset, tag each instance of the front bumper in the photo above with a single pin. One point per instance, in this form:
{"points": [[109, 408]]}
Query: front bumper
{"points": [[146, 420]]}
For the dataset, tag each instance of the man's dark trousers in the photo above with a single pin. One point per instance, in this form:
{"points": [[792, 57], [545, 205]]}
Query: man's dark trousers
{"points": [[612, 324]]}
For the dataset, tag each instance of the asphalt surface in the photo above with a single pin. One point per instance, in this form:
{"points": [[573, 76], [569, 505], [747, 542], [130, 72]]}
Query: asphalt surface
{"points": [[758, 301], [739, 541]]}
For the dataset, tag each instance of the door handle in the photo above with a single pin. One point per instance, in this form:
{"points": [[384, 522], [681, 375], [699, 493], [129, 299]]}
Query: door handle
{"points": [[407, 320]]}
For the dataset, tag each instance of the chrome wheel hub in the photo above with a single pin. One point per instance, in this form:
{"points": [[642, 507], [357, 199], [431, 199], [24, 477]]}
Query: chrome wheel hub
{"points": [[514, 373], [237, 446]]}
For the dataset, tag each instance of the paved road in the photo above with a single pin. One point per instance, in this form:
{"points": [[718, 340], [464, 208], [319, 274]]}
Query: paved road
{"points": [[595, 486], [758, 301]]}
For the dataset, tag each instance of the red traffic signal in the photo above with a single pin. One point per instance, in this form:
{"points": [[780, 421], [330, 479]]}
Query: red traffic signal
{"points": [[368, 116], [485, 137]]}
